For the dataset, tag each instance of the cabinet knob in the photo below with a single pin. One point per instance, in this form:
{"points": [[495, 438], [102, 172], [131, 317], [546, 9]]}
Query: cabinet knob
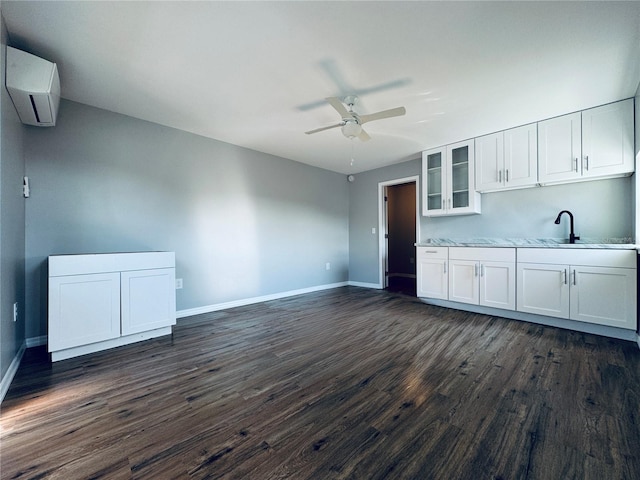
{"points": [[586, 162]]}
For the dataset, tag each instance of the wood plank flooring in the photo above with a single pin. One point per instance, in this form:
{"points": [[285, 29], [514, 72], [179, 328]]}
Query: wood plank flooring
{"points": [[348, 383]]}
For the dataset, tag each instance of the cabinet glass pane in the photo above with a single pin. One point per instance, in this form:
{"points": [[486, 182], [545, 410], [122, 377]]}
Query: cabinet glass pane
{"points": [[434, 202], [460, 155], [434, 160], [460, 176], [461, 199], [434, 181]]}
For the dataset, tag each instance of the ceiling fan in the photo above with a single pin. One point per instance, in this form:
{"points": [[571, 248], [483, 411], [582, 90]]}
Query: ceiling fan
{"points": [[352, 122]]}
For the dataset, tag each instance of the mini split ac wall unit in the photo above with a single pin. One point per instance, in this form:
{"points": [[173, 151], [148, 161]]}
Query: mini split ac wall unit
{"points": [[34, 87]]}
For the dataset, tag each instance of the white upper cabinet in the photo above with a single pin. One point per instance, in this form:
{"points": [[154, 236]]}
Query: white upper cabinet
{"points": [[595, 143], [448, 180], [559, 148], [507, 160], [607, 139]]}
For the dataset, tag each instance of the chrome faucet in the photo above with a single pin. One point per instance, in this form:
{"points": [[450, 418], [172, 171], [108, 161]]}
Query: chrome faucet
{"points": [[572, 236]]}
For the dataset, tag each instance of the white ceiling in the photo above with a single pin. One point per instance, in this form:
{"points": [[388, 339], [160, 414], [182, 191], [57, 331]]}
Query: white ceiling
{"points": [[255, 73]]}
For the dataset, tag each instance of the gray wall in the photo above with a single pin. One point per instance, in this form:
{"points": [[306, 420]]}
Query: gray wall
{"points": [[602, 209], [363, 216], [12, 219], [243, 224]]}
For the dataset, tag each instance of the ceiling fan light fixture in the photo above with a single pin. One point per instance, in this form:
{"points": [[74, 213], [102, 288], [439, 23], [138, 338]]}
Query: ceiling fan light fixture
{"points": [[351, 129]]}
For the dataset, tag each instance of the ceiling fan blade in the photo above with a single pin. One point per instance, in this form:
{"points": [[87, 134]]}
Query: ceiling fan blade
{"points": [[324, 128], [339, 106], [364, 136], [393, 112]]}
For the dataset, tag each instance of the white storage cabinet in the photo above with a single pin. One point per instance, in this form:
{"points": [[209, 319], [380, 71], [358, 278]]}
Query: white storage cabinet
{"points": [[432, 272], [507, 160], [594, 286], [448, 181], [105, 300], [594, 143], [483, 276]]}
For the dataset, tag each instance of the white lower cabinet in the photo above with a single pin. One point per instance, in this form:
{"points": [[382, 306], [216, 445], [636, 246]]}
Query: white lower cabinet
{"points": [[106, 300], [83, 309], [594, 286], [483, 276], [148, 299], [432, 272]]}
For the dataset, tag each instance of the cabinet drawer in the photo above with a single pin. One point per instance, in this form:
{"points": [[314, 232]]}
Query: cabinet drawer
{"points": [[579, 256], [483, 254], [433, 252]]}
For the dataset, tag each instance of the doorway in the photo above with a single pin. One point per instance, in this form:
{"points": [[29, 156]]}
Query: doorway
{"points": [[398, 230]]}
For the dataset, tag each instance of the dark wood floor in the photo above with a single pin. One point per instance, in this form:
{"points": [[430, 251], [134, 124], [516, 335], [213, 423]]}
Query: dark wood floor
{"points": [[347, 383]]}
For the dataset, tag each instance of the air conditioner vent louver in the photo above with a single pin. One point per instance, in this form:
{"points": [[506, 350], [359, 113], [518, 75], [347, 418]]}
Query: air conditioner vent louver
{"points": [[34, 87]]}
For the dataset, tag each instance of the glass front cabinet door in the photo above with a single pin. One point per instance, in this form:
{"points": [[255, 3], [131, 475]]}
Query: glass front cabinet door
{"points": [[448, 181]]}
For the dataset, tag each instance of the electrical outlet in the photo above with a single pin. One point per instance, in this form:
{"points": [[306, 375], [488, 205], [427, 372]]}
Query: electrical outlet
{"points": [[328, 266], [15, 312], [373, 230], [178, 283]]}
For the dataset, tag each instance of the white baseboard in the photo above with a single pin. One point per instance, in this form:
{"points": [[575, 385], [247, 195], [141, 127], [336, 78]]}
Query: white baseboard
{"points": [[248, 301], [11, 372], [37, 341], [365, 285]]}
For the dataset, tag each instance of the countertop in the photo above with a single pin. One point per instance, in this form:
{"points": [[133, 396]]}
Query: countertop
{"points": [[601, 243]]}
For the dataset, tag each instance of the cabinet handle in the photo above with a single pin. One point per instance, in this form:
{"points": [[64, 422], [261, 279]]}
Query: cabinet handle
{"points": [[475, 269], [574, 277], [586, 162], [506, 175], [499, 176], [564, 276], [482, 269], [443, 200], [445, 267], [449, 203], [576, 163]]}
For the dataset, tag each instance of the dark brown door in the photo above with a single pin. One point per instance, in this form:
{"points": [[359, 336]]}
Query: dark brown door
{"points": [[401, 231]]}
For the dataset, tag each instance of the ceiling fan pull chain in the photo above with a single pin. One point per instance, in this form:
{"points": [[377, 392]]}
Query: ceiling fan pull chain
{"points": [[352, 146]]}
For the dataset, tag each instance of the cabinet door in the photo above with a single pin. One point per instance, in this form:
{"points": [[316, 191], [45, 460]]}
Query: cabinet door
{"points": [[521, 156], [498, 285], [463, 281], [560, 148], [606, 296], [432, 278], [148, 300], [543, 289], [490, 162], [460, 178], [83, 309], [434, 182], [607, 139]]}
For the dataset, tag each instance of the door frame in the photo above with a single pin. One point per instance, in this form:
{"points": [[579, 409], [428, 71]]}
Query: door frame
{"points": [[383, 226]]}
